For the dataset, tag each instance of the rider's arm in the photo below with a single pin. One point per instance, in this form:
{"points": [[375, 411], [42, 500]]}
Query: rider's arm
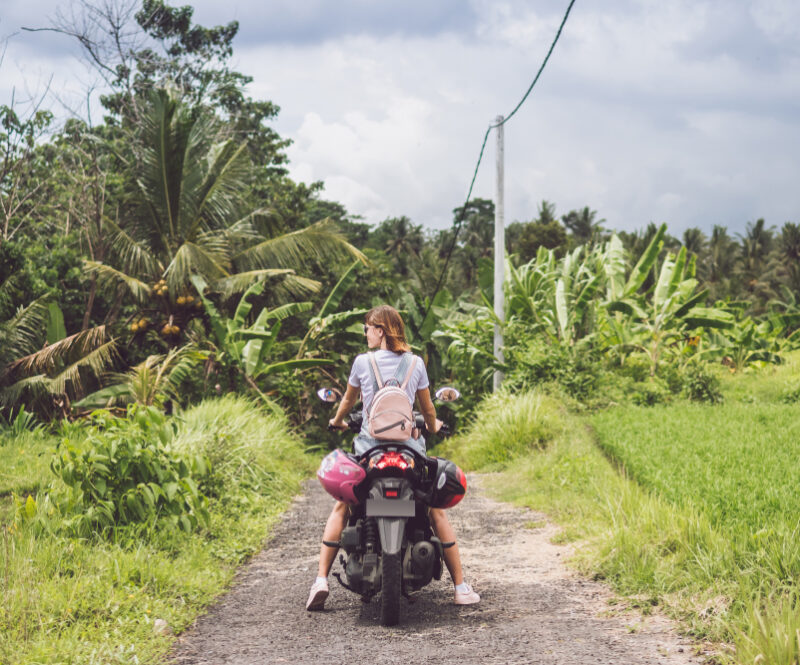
{"points": [[427, 410], [346, 406]]}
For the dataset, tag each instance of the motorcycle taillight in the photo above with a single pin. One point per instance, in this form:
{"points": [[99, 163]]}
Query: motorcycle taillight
{"points": [[394, 460]]}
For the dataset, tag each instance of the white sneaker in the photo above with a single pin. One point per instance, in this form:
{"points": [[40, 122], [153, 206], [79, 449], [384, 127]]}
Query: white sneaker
{"points": [[318, 595], [468, 597]]}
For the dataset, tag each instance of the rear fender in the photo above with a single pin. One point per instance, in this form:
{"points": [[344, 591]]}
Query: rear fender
{"points": [[391, 530]]}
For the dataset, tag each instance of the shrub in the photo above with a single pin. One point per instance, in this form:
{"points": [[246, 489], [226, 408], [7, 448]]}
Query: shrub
{"points": [[126, 472], [535, 362], [791, 393], [700, 385], [651, 392]]}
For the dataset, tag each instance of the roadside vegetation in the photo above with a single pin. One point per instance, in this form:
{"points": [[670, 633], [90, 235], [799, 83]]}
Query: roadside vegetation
{"points": [[170, 300], [689, 506], [93, 595]]}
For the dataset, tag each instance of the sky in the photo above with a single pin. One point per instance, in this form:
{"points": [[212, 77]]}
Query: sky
{"points": [[685, 112]]}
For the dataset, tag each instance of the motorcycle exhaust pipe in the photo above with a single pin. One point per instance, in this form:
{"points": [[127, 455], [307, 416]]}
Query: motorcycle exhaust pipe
{"points": [[423, 557]]}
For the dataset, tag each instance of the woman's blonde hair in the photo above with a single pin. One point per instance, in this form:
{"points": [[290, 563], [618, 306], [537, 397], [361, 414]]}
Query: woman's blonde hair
{"points": [[388, 319]]}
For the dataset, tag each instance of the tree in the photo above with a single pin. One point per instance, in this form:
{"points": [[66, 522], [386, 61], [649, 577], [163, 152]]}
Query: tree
{"points": [[186, 216], [757, 267], [22, 176], [583, 226], [789, 252], [400, 239]]}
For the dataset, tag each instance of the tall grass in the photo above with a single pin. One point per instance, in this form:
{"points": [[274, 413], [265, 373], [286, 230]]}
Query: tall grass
{"points": [[737, 466], [68, 600], [24, 461], [676, 512], [505, 427]]}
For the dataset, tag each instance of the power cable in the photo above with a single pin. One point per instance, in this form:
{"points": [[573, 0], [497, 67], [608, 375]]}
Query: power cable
{"points": [[460, 220]]}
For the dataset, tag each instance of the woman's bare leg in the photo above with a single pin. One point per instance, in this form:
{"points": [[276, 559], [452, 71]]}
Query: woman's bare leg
{"points": [[337, 520], [446, 533]]}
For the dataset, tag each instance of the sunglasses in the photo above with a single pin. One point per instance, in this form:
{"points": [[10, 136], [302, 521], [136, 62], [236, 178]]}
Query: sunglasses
{"points": [[369, 325]]}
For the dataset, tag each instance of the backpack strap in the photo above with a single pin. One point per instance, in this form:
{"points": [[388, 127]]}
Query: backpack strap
{"points": [[376, 375], [411, 366]]}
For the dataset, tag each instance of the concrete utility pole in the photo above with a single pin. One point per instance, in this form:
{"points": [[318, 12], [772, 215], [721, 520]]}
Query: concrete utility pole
{"points": [[499, 254]]}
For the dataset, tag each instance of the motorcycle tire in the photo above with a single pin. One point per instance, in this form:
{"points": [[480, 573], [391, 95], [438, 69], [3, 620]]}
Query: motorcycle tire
{"points": [[391, 591]]}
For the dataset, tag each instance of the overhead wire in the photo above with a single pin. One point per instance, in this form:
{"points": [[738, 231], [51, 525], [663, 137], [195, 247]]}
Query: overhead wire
{"points": [[459, 221]]}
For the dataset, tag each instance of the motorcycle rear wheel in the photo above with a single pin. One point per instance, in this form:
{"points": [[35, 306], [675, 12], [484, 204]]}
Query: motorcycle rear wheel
{"points": [[391, 583]]}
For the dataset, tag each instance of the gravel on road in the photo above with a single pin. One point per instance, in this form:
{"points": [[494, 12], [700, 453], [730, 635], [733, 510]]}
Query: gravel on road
{"points": [[533, 608]]}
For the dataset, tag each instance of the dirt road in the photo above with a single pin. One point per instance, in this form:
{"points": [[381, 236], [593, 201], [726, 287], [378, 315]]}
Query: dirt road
{"points": [[533, 609]]}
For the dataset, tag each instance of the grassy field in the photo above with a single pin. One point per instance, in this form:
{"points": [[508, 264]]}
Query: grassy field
{"points": [[739, 465], [688, 506], [72, 600]]}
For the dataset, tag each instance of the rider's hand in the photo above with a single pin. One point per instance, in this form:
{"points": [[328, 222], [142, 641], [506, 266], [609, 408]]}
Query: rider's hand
{"points": [[439, 424], [332, 424]]}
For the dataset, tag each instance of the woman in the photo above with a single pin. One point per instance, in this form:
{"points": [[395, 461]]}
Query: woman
{"points": [[385, 332]]}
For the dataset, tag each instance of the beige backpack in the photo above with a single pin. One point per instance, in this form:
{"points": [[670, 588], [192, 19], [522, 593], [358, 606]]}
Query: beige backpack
{"points": [[391, 414]]}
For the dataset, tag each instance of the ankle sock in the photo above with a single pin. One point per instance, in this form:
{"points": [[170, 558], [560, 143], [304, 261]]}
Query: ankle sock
{"points": [[462, 588], [324, 579]]}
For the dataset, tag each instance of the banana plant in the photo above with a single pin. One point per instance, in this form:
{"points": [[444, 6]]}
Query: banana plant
{"points": [[329, 322], [750, 341], [672, 309], [248, 349]]}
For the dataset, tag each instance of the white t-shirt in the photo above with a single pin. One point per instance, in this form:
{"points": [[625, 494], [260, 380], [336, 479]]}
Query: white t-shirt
{"points": [[388, 362]]}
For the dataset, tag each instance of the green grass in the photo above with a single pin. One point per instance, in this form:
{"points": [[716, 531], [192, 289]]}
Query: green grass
{"points": [[505, 427], [767, 384], [67, 600], [738, 465], [688, 506], [25, 462]]}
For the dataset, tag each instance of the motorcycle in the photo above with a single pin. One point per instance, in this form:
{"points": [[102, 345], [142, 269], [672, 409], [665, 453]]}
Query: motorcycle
{"points": [[389, 545]]}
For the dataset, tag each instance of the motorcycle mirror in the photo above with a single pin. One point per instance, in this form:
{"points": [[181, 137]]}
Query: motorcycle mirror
{"points": [[329, 394], [447, 394]]}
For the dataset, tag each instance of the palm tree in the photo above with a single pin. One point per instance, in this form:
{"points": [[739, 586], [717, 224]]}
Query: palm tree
{"points": [[582, 225], [789, 252], [757, 267], [190, 217], [696, 243]]}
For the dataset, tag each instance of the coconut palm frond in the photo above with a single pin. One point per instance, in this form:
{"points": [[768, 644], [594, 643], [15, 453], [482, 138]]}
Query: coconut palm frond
{"points": [[65, 351], [106, 274], [206, 260], [137, 257], [178, 368], [95, 362], [33, 387], [157, 376], [282, 282], [318, 242], [244, 230], [23, 332], [166, 131], [294, 286], [220, 192]]}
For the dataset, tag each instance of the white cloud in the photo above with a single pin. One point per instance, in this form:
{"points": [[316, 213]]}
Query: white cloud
{"points": [[684, 111]]}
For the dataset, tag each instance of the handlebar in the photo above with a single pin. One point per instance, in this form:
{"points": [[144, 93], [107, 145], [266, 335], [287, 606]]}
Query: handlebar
{"points": [[355, 420]]}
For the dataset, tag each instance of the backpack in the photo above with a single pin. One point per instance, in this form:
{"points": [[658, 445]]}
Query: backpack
{"points": [[391, 414]]}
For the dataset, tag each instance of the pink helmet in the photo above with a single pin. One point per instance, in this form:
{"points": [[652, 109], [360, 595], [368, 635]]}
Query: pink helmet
{"points": [[339, 476]]}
